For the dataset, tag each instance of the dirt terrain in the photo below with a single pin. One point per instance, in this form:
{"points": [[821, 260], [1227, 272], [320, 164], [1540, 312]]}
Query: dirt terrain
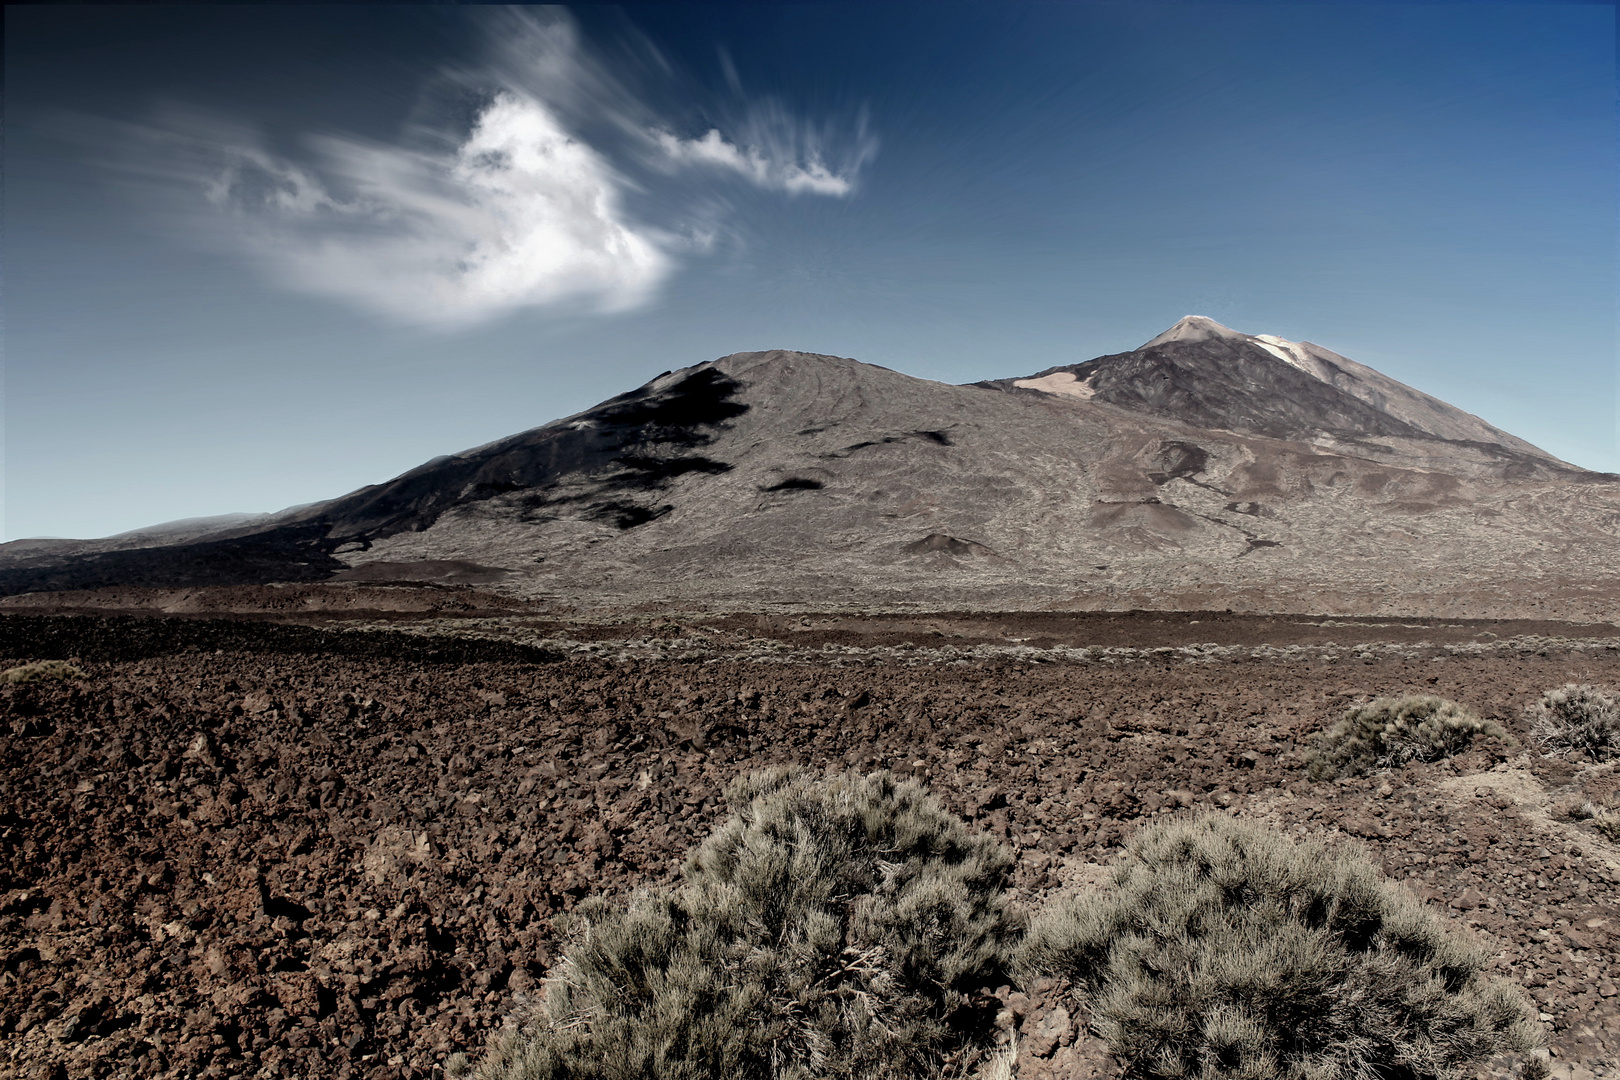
{"points": [[338, 848]]}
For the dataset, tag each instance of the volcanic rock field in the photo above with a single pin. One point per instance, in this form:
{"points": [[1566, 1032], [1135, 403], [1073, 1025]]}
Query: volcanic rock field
{"points": [[340, 847], [324, 784]]}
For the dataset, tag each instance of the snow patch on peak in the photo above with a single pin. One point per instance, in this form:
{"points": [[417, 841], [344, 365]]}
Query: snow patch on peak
{"points": [[1287, 351], [1202, 328], [1195, 328]]}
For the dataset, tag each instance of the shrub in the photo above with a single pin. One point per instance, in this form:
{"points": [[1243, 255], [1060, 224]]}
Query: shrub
{"points": [[1577, 720], [1603, 816], [1389, 732], [1225, 950], [41, 671], [1597, 804], [832, 927]]}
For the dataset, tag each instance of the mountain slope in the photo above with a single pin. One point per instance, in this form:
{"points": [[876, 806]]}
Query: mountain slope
{"points": [[1199, 471], [1208, 375]]}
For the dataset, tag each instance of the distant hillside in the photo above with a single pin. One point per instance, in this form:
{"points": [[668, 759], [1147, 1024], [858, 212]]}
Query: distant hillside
{"points": [[1207, 469]]}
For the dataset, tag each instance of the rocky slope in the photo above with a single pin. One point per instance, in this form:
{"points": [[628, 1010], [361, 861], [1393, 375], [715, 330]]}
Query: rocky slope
{"points": [[1206, 374], [238, 850], [1208, 469]]}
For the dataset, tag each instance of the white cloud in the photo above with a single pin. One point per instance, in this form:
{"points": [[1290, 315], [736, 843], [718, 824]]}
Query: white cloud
{"points": [[768, 145], [527, 209], [520, 214], [811, 176]]}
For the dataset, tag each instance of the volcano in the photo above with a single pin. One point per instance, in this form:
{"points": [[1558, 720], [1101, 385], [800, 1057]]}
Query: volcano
{"points": [[1206, 375], [1206, 469]]}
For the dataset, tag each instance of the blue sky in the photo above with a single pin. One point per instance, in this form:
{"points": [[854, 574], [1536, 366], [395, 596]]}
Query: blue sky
{"points": [[259, 256]]}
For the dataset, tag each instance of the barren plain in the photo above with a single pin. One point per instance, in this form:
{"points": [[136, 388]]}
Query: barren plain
{"points": [[334, 840]]}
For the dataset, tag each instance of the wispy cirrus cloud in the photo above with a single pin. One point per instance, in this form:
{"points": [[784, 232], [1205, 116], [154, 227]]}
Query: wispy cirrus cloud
{"points": [[796, 170], [528, 206]]}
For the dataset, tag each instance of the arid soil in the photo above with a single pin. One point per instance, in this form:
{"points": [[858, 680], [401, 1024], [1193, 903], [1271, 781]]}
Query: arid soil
{"points": [[246, 849]]}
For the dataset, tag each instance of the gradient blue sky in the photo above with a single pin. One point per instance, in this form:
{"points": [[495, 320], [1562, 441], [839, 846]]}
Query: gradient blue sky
{"points": [[259, 256]]}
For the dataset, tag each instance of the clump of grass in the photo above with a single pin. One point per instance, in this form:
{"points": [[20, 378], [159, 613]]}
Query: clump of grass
{"points": [[1390, 731], [1577, 720], [1597, 804], [41, 671], [1226, 950], [1603, 816], [831, 928]]}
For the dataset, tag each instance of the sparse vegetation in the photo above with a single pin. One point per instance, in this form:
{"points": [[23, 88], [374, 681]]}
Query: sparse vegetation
{"points": [[1577, 720], [830, 928], [41, 671], [589, 778], [1389, 732], [1226, 950], [1603, 816], [1597, 806]]}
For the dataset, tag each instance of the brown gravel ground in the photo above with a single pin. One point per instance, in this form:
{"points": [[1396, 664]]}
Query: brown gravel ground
{"points": [[319, 856]]}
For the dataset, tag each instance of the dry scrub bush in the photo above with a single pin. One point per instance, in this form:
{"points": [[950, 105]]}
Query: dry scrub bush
{"points": [[1389, 732], [1577, 720], [1225, 950], [41, 671], [1595, 800], [830, 928], [1602, 815]]}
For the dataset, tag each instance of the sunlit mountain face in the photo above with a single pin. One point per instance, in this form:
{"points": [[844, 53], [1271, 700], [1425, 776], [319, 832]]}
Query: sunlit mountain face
{"points": [[1207, 468]]}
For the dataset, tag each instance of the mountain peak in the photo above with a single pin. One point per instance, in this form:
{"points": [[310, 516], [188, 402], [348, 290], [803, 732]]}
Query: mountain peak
{"points": [[1202, 373], [1195, 328]]}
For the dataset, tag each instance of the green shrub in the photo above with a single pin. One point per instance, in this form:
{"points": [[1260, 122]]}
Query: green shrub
{"points": [[832, 927], [1225, 950], [40, 671], [1577, 720], [1389, 732]]}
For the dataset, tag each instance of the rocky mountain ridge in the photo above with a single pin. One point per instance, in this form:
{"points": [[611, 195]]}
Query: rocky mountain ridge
{"points": [[1207, 374], [1206, 469]]}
